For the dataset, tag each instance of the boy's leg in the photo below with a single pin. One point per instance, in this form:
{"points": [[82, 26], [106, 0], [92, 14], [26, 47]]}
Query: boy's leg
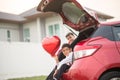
{"points": [[50, 76], [63, 68]]}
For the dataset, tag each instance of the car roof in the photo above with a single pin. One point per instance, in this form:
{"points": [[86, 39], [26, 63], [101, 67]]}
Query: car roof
{"points": [[113, 23]]}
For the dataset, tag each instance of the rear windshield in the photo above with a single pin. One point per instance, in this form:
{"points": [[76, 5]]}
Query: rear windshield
{"points": [[104, 31]]}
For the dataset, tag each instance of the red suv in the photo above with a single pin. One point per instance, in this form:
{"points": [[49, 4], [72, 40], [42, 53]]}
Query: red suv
{"points": [[97, 52]]}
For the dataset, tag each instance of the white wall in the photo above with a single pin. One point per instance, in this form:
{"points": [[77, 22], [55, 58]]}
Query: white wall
{"points": [[14, 31], [56, 19], [24, 60], [33, 30]]}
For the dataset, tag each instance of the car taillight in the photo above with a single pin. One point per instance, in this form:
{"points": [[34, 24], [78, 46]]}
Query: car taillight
{"points": [[85, 51]]}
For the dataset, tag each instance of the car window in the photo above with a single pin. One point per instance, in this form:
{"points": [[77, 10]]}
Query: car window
{"points": [[104, 31], [116, 31]]}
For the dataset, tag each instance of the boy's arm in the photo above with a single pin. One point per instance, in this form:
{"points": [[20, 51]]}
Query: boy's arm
{"points": [[68, 59], [56, 59]]}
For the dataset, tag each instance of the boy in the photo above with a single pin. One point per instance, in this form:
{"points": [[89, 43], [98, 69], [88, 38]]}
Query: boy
{"points": [[60, 56], [65, 63], [70, 37]]}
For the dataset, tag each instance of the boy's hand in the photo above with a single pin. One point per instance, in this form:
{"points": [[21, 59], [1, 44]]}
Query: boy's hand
{"points": [[56, 59], [55, 72]]}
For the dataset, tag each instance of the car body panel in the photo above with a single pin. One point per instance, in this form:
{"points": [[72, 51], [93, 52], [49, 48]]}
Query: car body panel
{"points": [[118, 45], [92, 67], [82, 70], [72, 13], [108, 54], [116, 31]]}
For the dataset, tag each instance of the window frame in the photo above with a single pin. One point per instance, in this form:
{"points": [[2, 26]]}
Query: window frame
{"points": [[8, 35], [26, 38], [56, 31]]}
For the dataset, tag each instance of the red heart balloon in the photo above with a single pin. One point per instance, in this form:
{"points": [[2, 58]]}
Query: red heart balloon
{"points": [[51, 44]]}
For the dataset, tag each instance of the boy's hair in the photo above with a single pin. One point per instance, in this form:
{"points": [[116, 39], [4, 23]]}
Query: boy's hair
{"points": [[68, 34], [66, 45]]}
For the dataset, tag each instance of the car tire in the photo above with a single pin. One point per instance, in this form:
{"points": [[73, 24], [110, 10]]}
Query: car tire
{"points": [[114, 75]]}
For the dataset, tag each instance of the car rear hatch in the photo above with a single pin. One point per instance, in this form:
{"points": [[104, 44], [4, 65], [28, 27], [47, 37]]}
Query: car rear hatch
{"points": [[73, 14]]}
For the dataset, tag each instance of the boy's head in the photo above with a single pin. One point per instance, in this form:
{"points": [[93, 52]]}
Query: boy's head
{"points": [[66, 49], [70, 37]]}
